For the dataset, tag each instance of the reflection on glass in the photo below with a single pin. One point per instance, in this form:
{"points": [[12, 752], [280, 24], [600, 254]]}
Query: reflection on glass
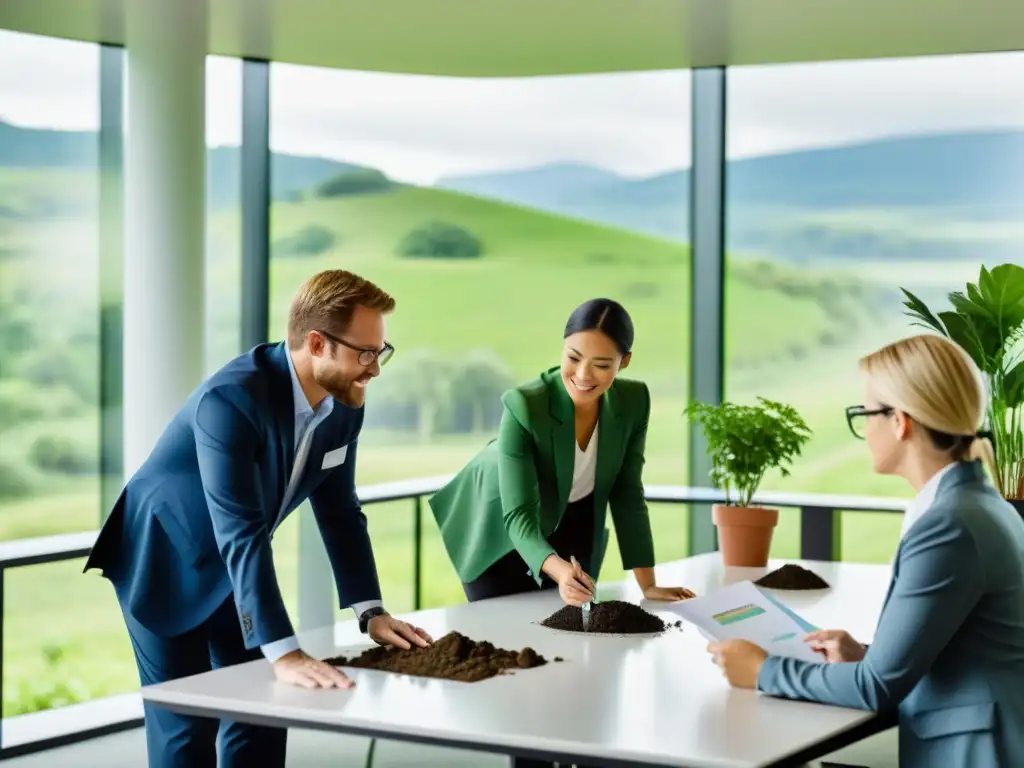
{"points": [[845, 182], [489, 208]]}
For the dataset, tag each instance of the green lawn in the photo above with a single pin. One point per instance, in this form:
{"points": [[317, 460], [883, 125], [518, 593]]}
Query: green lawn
{"points": [[64, 629]]}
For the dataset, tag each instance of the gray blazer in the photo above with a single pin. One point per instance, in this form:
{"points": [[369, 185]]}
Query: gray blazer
{"points": [[948, 653]]}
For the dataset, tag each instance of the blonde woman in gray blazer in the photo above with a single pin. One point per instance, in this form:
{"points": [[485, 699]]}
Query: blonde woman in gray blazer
{"points": [[948, 652]]}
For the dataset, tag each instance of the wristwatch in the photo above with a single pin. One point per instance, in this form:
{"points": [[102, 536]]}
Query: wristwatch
{"points": [[369, 613]]}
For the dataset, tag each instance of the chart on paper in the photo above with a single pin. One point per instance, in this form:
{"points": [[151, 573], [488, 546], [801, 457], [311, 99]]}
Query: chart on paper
{"points": [[741, 611]]}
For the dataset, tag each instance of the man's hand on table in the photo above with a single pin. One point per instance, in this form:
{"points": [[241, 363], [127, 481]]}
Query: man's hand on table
{"points": [[298, 668], [387, 630]]}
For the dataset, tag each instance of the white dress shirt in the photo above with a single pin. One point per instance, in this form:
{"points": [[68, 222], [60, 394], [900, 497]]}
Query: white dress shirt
{"points": [[584, 469], [924, 499], [306, 422]]}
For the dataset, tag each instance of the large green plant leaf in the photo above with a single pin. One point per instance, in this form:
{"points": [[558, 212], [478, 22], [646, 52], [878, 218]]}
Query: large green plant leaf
{"points": [[1002, 291], [1013, 386], [966, 335], [984, 327], [923, 316]]}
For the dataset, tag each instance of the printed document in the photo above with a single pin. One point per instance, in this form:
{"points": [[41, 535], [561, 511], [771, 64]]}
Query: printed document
{"points": [[742, 611]]}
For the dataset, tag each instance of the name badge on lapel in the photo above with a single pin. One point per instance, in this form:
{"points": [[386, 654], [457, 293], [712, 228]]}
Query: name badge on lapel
{"points": [[335, 457]]}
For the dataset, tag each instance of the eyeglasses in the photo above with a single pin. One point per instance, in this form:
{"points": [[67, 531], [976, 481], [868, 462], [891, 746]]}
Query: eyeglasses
{"points": [[857, 416], [366, 356]]}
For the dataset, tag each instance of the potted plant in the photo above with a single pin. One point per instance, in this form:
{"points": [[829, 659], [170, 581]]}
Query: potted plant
{"points": [[987, 320], [744, 442]]}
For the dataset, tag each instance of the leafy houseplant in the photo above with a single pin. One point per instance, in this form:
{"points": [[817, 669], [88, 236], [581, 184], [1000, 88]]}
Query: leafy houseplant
{"points": [[744, 442], [987, 321]]}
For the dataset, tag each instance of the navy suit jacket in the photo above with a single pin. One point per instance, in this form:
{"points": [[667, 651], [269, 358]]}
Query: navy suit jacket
{"points": [[194, 523]]}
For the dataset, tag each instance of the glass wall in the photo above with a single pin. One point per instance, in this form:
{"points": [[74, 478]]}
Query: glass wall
{"points": [[49, 289], [489, 209], [846, 182], [223, 210], [64, 638]]}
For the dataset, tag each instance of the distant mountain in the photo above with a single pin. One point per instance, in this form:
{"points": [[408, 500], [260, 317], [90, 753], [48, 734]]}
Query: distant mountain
{"points": [[977, 170], [41, 148], [546, 184], [794, 206]]}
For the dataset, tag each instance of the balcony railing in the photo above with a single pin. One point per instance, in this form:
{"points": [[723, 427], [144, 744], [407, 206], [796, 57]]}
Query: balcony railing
{"points": [[22, 734]]}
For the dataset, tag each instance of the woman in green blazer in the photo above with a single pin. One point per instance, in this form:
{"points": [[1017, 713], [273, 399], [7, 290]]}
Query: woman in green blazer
{"points": [[528, 512]]}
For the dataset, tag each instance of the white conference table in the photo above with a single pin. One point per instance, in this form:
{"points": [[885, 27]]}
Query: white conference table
{"points": [[615, 700]]}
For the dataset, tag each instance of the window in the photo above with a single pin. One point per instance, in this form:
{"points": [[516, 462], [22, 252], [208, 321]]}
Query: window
{"points": [[223, 210], [65, 639], [845, 182], [49, 290], [490, 209]]}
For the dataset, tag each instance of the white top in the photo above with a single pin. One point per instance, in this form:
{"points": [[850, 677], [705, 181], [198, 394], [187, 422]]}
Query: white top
{"points": [[585, 707], [584, 469], [923, 500]]}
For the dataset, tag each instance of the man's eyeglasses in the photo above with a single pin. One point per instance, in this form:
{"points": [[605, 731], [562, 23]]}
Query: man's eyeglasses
{"points": [[857, 416], [366, 356]]}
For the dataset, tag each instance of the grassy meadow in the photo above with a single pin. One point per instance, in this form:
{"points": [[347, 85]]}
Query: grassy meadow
{"points": [[793, 334]]}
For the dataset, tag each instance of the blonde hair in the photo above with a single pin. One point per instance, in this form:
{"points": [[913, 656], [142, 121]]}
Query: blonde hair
{"points": [[936, 383], [327, 300]]}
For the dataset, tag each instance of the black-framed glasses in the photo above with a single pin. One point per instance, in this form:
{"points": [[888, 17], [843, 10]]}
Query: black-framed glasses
{"points": [[857, 416], [366, 356]]}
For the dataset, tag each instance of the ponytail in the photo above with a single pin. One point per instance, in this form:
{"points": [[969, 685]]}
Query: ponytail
{"points": [[981, 449]]}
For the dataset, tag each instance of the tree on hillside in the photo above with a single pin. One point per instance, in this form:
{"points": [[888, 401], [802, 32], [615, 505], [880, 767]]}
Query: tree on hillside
{"points": [[364, 181], [481, 378], [440, 240], [311, 240]]}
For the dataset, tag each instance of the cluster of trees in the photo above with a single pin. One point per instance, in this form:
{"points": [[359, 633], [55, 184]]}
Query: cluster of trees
{"points": [[429, 394], [46, 378]]}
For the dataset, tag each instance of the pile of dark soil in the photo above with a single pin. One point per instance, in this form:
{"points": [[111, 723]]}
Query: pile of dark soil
{"points": [[452, 657], [614, 617], [792, 576]]}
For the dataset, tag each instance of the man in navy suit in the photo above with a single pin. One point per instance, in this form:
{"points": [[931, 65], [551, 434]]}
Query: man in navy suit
{"points": [[187, 544]]}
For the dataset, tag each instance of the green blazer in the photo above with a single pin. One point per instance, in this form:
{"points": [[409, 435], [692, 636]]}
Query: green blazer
{"points": [[512, 494]]}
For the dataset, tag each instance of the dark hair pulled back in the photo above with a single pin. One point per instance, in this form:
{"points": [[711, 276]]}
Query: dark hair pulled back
{"points": [[604, 315]]}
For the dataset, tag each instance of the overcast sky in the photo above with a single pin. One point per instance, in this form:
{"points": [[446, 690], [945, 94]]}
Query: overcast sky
{"points": [[418, 128]]}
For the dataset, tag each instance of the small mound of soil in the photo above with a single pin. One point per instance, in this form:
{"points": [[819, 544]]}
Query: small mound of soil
{"points": [[791, 576], [452, 657], [614, 617]]}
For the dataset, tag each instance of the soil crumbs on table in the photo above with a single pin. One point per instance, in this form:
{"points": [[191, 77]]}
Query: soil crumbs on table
{"points": [[792, 576], [611, 617], [452, 657]]}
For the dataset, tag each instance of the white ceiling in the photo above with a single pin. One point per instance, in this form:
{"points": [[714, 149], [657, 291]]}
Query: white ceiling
{"points": [[535, 37]]}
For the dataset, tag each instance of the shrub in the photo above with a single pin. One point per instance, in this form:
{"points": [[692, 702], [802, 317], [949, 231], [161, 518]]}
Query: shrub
{"points": [[364, 181], [311, 240], [440, 240], [58, 453]]}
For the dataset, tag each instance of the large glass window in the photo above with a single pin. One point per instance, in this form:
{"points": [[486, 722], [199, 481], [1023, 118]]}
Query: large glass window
{"points": [[64, 638], [223, 210], [845, 182], [489, 209], [49, 286]]}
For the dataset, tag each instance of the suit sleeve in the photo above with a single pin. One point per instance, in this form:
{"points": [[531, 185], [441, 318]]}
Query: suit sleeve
{"points": [[940, 580], [519, 488], [627, 501], [227, 442], [342, 523]]}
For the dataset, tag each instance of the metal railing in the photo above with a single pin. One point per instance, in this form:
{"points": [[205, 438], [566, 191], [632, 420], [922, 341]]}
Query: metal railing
{"points": [[819, 540]]}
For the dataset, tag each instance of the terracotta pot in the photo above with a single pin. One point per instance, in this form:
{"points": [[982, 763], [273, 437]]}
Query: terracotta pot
{"points": [[744, 534]]}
